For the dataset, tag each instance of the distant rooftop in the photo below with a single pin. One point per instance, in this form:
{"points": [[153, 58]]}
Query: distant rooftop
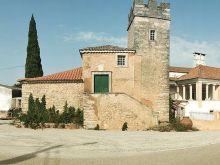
{"points": [[179, 69], [106, 48], [204, 72], [10, 87]]}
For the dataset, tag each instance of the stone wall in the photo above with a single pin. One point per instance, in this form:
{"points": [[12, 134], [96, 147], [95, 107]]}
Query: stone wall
{"points": [[111, 111], [56, 94], [154, 54], [123, 79]]}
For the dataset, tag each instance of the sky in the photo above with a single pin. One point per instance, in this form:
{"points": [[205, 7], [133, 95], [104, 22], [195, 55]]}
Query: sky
{"points": [[65, 26]]}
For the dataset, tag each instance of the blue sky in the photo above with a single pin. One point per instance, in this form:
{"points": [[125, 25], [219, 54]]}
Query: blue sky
{"points": [[65, 26]]}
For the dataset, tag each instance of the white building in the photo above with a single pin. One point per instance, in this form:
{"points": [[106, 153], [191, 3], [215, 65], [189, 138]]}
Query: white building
{"points": [[10, 97], [197, 89]]}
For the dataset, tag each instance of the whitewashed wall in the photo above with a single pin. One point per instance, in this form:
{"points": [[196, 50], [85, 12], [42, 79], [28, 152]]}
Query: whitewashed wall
{"points": [[192, 108], [176, 74], [5, 98]]}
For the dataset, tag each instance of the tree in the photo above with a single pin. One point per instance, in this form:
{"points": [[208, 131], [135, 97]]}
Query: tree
{"points": [[33, 67], [43, 103]]}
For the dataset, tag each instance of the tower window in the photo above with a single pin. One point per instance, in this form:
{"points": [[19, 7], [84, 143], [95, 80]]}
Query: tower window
{"points": [[152, 36], [121, 60]]}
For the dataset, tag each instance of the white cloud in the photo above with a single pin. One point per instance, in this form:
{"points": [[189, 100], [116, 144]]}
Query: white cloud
{"points": [[98, 38], [182, 51]]}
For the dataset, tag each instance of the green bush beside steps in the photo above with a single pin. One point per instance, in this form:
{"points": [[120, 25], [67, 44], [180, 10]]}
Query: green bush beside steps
{"points": [[37, 114]]}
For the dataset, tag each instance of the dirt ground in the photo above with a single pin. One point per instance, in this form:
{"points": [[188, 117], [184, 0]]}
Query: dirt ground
{"points": [[58, 146]]}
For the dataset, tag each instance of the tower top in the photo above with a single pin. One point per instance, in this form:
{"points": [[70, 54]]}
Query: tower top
{"points": [[152, 4], [150, 10], [138, 2]]}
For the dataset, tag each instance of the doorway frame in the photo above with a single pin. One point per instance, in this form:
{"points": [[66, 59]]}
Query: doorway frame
{"points": [[101, 73]]}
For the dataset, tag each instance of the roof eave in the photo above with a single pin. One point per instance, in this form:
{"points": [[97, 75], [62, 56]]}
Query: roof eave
{"points": [[51, 81], [106, 51]]}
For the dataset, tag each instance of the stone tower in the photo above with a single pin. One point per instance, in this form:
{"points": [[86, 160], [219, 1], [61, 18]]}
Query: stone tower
{"points": [[149, 35]]}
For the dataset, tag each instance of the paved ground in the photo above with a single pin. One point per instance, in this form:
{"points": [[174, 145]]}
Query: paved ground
{"points": [[56, 147]]}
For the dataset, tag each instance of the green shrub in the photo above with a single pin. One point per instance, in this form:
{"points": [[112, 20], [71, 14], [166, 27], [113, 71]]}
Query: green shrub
{"points": [[166, 128], [97, 127], [177, 126], [171, 110], [37, 114], [125, 127], [14, 112], [52, 115], [78, 119]]}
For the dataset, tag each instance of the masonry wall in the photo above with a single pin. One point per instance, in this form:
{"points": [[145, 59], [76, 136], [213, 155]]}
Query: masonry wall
{"points": [[111, 111], [124, 102], [154, 54], [123, 79], [56, 94]]}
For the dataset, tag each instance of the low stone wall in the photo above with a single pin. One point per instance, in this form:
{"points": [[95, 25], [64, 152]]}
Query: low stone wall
{"points": [[111, 111], [3, 114], [204, 125], [56, 94]]}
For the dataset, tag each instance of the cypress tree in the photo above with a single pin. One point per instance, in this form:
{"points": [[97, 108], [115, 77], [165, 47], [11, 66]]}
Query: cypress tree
{"points": [[33, 67]]}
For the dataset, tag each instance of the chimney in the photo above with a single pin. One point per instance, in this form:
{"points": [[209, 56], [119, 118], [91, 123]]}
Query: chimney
{"points": [[199, 59]]}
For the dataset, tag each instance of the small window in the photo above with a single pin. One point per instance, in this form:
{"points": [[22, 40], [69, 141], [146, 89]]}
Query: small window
{"points": [[121, 60], [152, 35]]}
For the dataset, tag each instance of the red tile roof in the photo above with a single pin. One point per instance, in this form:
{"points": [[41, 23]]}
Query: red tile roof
{"points": [[179, 69], [205, 72], [70, 75]]}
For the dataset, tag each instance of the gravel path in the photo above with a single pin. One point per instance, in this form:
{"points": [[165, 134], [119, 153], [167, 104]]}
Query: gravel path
{"points": [[25, 144]]}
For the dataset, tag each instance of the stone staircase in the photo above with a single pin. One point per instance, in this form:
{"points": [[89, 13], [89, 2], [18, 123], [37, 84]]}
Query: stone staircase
{"points": [[90, 119]]}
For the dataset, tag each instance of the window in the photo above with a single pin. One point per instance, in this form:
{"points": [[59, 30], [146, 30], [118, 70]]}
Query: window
{"points": [[152, 35], [121, 60]]}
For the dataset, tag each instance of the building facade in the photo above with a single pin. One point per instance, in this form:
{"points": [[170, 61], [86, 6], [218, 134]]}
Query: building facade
{"points": [[10, 97], [149, 35], [197, 89], [118, 85]]}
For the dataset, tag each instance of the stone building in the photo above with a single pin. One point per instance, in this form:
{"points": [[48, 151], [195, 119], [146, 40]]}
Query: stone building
{"points": [[197, 89], [58, 88], [117, 85], [149, 35]]}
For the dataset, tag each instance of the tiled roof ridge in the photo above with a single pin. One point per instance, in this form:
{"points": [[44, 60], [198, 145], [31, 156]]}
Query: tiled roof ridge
{"points": [[106, 48]]}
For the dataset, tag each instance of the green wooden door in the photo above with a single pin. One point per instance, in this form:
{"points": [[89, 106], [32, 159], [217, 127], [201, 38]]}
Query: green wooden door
{"points": [[101, 83]]}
